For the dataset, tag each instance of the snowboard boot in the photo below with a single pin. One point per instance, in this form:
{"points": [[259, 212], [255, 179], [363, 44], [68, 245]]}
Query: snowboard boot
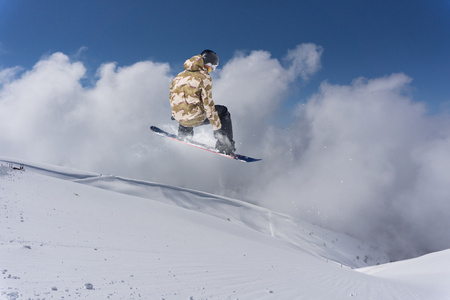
{"points": [[225, 147], [185, 133]]}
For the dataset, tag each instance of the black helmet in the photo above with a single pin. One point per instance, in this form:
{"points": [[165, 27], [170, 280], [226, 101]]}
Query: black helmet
{"points": [[210, 57]]}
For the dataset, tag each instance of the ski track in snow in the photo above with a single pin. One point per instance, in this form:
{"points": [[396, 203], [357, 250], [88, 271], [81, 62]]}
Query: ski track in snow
{"points": [[69, 234]]}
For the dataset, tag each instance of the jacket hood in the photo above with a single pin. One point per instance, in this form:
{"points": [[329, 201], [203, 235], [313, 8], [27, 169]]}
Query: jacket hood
{"points": [[194, 64]]}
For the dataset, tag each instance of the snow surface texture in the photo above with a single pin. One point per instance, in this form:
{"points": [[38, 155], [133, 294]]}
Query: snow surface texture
{"points": [[73, 234]]}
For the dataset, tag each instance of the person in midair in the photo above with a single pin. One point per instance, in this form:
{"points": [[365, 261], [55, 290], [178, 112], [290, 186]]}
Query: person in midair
{"points": [[192, 104]]}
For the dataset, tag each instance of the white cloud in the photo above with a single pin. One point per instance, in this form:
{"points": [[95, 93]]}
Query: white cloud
{"points": [[253, 86], [48, 116], [36, 102], [368, 162], [7, 75], [305, 60], [362, 158]]}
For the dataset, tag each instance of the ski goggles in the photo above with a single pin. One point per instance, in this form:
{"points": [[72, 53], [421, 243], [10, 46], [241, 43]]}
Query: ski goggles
{"points": [[211, 67]]}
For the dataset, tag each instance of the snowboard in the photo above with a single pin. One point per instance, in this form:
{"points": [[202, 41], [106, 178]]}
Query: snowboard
{"points": [[174, 137]]}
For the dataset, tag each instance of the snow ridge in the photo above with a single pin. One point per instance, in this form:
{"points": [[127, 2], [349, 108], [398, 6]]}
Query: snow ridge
{"points": [[311, 239]]}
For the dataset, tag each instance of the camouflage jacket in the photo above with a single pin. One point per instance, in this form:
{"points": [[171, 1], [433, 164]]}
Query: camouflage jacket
{"points": [[190, 95]]}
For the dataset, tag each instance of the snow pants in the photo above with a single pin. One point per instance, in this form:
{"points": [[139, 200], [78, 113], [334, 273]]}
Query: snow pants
{"points": [[225, 119]]}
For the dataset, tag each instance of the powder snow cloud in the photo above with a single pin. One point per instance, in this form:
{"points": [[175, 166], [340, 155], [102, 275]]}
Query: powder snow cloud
{"points": [[362, 158], [367, 160]]}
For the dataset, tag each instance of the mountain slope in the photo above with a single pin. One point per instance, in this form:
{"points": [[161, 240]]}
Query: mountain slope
{"points": [[139, 240]]}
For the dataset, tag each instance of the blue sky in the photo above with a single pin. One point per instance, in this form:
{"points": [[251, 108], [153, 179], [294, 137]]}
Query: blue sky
{"points": [[359, 38]]}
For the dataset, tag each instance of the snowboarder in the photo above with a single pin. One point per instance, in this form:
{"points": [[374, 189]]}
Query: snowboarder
{"points": [[192, 104]]}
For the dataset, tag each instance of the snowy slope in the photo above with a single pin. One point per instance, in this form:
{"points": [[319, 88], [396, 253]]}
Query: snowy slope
{"points": [[73, 234]]}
